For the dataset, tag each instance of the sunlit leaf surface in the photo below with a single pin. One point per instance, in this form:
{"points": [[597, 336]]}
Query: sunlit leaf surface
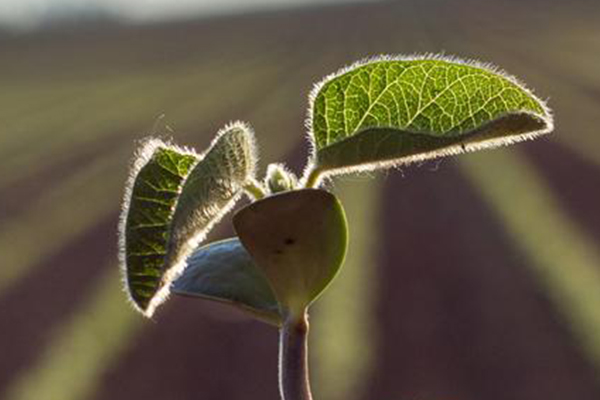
{"points": [[392, 111], [147, 216]]}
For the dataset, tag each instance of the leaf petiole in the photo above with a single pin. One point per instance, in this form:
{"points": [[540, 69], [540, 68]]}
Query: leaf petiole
{"points": [[313, 179]]}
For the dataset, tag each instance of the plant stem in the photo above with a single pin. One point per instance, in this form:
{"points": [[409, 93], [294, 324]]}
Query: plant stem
{"points": [[293, 359], [255, 189], [314, 179]]}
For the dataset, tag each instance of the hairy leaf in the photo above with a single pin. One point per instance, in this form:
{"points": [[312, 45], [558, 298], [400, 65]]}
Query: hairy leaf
{"points": [[211, 190], [298, 239], [155, 183], [224, 271], [279, 178], [387, 111], [163, 227]]}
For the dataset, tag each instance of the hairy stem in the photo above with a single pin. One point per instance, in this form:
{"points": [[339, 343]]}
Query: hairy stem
{"points": [[293, 359], [255, 190], [314, 179]]}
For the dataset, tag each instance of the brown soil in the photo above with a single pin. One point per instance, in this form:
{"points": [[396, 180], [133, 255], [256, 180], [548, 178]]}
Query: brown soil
{"points": [[196, 350], [46, 296], [574, 181], [461, 316], [18, 196]]}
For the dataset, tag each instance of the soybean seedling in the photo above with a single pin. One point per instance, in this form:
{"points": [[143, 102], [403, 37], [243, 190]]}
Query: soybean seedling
{"points": [[292, 238]]}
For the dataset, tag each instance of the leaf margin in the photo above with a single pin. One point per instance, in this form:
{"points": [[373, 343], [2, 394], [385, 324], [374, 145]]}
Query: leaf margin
{"points": [[309, 169], [197, 240], [261, 314], [142, 156]]}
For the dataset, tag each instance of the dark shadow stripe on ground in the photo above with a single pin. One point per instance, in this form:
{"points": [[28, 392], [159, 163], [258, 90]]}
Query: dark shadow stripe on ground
{"points": [[43, 298], [194, 349], [575, 182], [461, 315]]}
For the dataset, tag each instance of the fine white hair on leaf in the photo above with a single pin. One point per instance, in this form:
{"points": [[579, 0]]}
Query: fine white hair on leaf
{"points": [[178, 259], [245, 127], [547, 116], [452, 150], [180, 262], [415, 57], [275, 168], [144, 153]]}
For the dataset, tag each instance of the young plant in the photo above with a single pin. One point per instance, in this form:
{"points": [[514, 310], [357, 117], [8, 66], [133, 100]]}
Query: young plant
{"points": [[291, 240]]}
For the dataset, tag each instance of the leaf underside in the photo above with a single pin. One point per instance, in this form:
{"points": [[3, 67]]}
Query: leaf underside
{"points": [[224, 271], [298, 239], [391, 110], [152, 201], [378, 146]]}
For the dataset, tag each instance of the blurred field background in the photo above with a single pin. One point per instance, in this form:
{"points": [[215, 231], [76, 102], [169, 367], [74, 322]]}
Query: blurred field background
{"points": [[469, 278]]}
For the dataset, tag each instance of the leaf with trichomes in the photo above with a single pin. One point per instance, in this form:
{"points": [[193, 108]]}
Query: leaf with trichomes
{"points": [[155, 183], [211, 190], [393, 111], [224, 271], [298, 239], [175, 198], [279, 179]]}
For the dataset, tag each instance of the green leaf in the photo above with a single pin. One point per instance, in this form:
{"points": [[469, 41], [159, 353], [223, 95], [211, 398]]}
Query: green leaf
{"points": [[279, 178], [224, 271], [393, 111], [211, 190], [170, 209], [155, 182], [299, 240]]}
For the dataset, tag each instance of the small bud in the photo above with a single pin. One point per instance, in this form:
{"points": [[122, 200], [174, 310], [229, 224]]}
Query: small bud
{"points": [[279, 178]]}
